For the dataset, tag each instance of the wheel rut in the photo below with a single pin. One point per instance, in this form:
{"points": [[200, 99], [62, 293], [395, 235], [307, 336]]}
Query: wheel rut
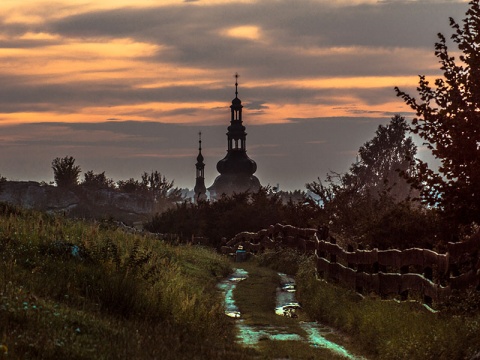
{"points": [[269, 318]]}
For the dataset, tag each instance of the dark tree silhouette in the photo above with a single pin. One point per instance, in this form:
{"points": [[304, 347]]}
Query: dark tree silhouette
{"points": [[448, 118], [377, 169], [97, 181], [370, 204], [65, 172], [230, 215], [382, 159], [129, 186]]}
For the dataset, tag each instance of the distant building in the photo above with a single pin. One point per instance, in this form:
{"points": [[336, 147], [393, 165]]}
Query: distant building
{"points": [[200, 189], [236, 168]]}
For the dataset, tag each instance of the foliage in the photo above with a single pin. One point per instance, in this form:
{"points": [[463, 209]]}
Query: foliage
{"points": [[97, 181], [230, 215], [118, 296], [155, 187], [371, 203], [129, 186], [65, 172], [382, 159], [160, 189], [387, 329], [448, 119], [377, 168]]}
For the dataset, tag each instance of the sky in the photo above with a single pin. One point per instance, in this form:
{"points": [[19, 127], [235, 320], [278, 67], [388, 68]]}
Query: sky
{"points": [[125, 86]]}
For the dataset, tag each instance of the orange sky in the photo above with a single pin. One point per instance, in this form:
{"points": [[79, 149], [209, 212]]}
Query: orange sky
{"points": [[58, 59]]}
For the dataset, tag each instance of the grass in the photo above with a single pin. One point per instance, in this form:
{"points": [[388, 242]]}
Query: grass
{"points": [[386, 329], [74, 290]]}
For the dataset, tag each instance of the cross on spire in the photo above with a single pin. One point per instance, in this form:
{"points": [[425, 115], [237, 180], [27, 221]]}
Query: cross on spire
{"points": [[200, 140], [236, 84]]}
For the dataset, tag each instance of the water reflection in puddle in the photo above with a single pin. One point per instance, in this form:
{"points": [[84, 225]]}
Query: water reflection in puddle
{"points": [[316, 332], [227, 286], [251, 335], [286, 305]]}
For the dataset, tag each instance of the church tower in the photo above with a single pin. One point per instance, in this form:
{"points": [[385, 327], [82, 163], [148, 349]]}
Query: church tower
{"points": [[200, 189], [236, 168]]}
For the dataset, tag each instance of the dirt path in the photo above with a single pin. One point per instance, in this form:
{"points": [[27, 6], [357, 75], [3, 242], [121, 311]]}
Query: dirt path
{"points": [[254, 296]]}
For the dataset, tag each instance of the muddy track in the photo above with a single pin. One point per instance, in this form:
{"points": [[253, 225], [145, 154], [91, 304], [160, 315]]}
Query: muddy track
{"points": [[269, 319]]}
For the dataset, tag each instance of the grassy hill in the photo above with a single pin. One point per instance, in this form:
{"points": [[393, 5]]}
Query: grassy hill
{"points": [[75, 290]]}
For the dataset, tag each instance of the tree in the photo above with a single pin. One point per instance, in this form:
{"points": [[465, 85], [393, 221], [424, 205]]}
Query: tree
{"points": [[354, 203], [161, 190], [65, 172], [378, 167], [382, 159], [448, 119], [97, 181], [129, 186]]}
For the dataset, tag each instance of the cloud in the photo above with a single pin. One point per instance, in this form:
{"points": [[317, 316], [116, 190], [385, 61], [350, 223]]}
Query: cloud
{"points": [[194, 36], [169, 70], [130, 62]]}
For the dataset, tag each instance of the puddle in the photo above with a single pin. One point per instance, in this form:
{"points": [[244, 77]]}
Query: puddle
{"points": [[316, 332], [286, 305], [227, 286], [251, 335]]}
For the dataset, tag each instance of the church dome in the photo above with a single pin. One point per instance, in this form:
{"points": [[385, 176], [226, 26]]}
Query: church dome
{"points": [[237, 162], [236, 101]]}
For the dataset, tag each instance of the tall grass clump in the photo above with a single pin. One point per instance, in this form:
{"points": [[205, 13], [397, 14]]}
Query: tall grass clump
{"points": [[284, 260], [76, 290], [387, 329]]}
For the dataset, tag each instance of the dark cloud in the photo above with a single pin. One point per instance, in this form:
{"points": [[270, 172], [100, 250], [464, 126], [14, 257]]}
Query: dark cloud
{"points": [[295, 39], [19, 94], [195, 35], [386, 39], [257, 105]]}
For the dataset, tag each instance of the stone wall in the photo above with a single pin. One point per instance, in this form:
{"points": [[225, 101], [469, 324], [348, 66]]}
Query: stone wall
{"points": [[79, 202]]}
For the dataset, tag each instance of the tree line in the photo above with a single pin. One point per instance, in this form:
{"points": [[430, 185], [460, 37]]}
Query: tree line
{"points": [[154, 186]]}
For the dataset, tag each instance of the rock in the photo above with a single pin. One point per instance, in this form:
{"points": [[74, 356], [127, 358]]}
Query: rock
{"points": [[33, 195]]}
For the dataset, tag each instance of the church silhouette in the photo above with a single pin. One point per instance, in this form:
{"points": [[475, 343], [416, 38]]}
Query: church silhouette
{"points": [[236, 168]]}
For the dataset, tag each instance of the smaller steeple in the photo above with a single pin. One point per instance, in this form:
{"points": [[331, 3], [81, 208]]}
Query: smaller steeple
{"points": [[200, 189]]}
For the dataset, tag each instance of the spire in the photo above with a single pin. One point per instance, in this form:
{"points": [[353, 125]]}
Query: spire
{"points": [[199, 188], [200, 156], [236, 107], [236, 85]]}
